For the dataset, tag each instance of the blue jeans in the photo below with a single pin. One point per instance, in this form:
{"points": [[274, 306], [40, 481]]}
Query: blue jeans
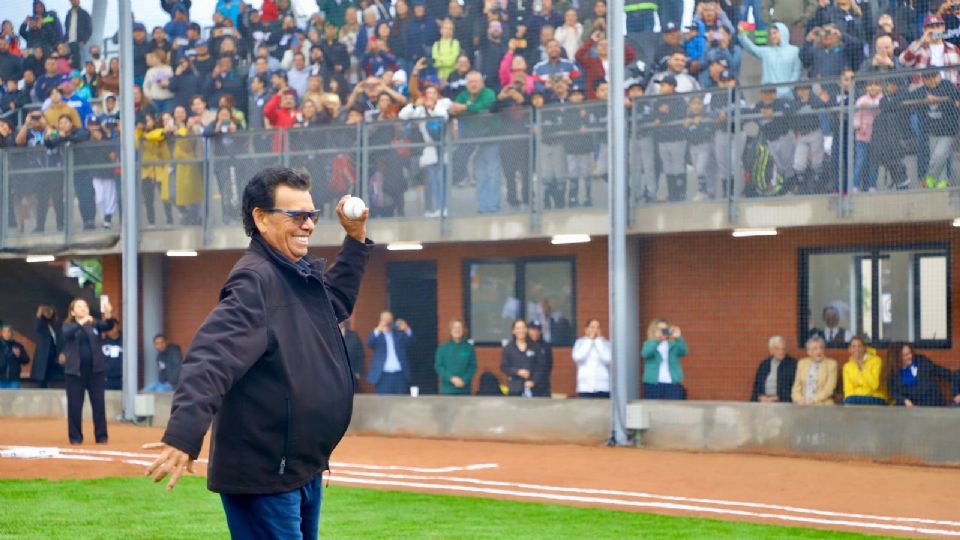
{"points": [[757, 15], [670, 11], [863, 400], [10, 385], [434, 177], [640, 21], [293, 514], [393, 383], [864, 174], [671, 391], [158, 386], [486, 169]]}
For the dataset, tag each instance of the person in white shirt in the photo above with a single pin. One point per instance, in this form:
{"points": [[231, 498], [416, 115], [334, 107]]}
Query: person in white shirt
{"points": [[591, 353]]}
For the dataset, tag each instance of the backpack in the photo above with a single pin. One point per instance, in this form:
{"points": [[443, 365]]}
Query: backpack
{"points": [[489, 385], [763, 178]]}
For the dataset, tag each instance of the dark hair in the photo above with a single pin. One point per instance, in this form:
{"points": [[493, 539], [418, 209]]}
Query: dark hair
{"points": [[158, 336], [262, 188]]}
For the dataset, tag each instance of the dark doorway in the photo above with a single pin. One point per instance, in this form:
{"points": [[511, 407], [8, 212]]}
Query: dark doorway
{"points": [[412, 295]]}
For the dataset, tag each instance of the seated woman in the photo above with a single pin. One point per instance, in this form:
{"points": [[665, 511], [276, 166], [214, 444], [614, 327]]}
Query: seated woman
{"points": [[816, 376], [915, 380], [662, 372], [863, 382], [774, 380]]}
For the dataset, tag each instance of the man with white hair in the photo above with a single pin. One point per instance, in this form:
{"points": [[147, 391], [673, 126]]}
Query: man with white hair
{"points": [[774, 379]]}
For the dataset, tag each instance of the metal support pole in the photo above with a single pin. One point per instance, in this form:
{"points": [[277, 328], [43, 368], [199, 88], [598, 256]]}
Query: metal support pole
{"points": [[68, 195], [620, 302], [848, 151], [6, 203], [130, 235]]}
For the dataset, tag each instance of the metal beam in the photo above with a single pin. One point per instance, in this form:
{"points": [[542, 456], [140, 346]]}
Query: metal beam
{"points": [[130, 233], [620, 331]]}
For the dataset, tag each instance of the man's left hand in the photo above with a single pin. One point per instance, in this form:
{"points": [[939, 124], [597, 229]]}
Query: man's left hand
{"points": [[956, 399], [356, 228]]}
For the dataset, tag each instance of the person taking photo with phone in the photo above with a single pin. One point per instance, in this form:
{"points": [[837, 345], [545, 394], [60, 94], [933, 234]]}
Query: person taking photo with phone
{"points": [[662, 351]]}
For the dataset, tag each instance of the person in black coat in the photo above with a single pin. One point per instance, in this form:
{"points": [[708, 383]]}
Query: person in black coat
{"points": [[355, 351], [85, 367], [46, 365], [541, 381], [268, 367], [521, 362], [915, 380], [12, 358], [79, 18], [775, 387]]}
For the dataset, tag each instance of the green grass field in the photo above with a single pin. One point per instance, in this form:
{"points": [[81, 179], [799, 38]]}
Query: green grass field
{"points": [[131, 508]]}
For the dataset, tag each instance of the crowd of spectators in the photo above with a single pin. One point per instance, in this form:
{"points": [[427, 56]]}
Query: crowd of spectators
{"points": [[433, 61]]}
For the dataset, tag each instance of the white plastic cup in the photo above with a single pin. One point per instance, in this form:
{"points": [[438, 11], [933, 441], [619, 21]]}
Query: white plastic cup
{"points": [[414, 391]]}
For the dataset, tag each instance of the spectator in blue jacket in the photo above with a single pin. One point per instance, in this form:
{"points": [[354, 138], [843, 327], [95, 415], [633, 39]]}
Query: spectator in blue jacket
{"points": [[420, 34]]}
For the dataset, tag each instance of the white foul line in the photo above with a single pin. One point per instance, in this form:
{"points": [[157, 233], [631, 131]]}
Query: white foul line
{"points": [[669, 506]]}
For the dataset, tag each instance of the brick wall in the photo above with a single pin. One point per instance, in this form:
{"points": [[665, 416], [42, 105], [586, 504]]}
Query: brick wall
{"points": [[727, 294]]}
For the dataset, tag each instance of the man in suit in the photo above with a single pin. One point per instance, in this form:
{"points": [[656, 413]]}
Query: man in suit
{"points": [[835, 336], [389, 368]]}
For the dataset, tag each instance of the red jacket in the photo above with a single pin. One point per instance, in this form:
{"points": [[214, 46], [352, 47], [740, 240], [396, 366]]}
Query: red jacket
{"points": [[593, 66], [269, 11], [279, 118]]}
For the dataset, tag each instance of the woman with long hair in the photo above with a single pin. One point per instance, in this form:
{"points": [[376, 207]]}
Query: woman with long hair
{"points": [[519, 361], [85, 367], [456, 362], [915, 380], [662, 372], [187, 188]]}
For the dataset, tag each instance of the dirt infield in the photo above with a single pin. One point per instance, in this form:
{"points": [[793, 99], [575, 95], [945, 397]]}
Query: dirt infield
{"points": [[865, 497]]}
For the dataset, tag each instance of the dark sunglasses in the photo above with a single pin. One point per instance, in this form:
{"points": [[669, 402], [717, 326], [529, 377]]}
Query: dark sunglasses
{"points": [[298, 216]]}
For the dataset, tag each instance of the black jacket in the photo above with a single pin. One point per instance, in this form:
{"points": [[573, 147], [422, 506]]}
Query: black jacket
{"points": [[786, 372], [11, 67], [355, 352], [269, 368], [49, 340], [73, 333], [512, 359], [926, 391], [84, 25], [9, 363], [541, 377]]}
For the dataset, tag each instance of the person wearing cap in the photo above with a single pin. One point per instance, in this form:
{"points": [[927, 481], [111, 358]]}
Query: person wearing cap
{"points": [[771, 112], [78, 102], [176, 29], [671, 142], [780, 59], [721, 48], [827, 52], [456, 362], [808, 143], [932, 50]]}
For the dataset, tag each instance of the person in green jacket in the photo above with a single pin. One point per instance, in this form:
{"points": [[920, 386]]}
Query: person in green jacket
{"points": [[456, 362], [468, 109], [445, 51], [662, 372]]}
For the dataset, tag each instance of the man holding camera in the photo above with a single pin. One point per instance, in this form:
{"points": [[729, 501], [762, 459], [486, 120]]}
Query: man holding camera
{"points": [[932, 50]]}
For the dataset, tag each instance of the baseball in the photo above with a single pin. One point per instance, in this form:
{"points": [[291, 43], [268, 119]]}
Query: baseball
{"points": [[354, 208]]}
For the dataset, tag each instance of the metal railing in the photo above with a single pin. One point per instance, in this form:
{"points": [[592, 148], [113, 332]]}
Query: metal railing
{"points": [[806, 139]]}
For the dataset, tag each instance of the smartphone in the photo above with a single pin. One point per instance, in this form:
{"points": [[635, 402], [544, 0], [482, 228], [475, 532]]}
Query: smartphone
{"points": [[104, 302], [666, 331]]}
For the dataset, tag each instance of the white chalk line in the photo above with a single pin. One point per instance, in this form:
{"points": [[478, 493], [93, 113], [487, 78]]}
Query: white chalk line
{"points": [[638, 504], [30, 452], [643, 495]]}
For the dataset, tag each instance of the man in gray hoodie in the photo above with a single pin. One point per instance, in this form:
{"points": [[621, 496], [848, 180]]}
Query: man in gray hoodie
{"points": [[781, 60]]}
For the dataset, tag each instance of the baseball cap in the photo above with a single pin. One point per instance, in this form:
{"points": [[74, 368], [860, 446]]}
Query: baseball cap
{"points": [[933, 19], [725, 75], [535, 324], [670, 27], [669, 79], [720, 60]]}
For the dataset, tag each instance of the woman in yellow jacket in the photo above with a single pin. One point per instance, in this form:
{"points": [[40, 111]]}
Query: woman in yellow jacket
{"points": [[863, 382], [154, 165], [816, 376], [187, 190], [445, 51]]}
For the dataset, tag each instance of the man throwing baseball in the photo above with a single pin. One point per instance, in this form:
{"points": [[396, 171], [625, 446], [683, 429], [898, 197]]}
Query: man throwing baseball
{"points": [[269, 369]]}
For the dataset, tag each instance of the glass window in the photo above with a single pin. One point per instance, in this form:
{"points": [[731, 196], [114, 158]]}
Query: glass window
{"points": [[499, 291], [883, 294]]}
